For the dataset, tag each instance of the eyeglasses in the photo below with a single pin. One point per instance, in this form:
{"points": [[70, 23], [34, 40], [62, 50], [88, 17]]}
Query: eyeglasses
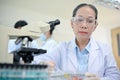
{"points": [[80, 20]]}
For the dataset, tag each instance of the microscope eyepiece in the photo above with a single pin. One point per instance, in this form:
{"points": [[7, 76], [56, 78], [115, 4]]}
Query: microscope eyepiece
{"points": [[54, 23]]}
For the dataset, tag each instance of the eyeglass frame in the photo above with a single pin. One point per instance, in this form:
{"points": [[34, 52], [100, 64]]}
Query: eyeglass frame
{"points": [[88, 23]]}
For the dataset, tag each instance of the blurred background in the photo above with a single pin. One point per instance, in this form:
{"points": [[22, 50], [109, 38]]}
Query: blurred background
{"points": [[46, 10]]}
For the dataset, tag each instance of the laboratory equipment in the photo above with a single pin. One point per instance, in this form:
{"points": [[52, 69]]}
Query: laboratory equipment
{"points": [[33, 30], [10, 71], [25, 52], [35, 72]]}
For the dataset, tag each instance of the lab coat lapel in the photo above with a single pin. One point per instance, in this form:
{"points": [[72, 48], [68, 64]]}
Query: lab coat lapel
{"points": [[92, 56], [72, 56]]}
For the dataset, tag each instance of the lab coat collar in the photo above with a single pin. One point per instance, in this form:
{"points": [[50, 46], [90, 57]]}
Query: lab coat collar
{"points": [[92, 53]]}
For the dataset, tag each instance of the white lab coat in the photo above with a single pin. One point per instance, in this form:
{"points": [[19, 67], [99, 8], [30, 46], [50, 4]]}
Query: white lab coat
{"points": [[49, 44], [101, 60], [13, 47]]}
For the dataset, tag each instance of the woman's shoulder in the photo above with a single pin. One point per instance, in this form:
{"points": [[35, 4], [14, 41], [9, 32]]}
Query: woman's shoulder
{"points": [[104, 47], [99, 43], [102, 44], [65, 43]]}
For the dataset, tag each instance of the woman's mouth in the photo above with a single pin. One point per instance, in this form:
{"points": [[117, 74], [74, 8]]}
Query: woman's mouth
{"points": [[83, 32]]}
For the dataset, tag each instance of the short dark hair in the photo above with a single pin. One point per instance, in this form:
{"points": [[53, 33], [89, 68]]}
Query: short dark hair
{"points": [[85, 4], [20, 23]]}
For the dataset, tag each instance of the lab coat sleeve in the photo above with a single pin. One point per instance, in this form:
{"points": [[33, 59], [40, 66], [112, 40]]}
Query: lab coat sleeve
{"points": [[12, 46], [34, 44], [52, 55], [111, 70]]}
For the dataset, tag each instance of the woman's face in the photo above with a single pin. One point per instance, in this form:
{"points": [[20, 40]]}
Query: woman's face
{"points": [[84, 22]]}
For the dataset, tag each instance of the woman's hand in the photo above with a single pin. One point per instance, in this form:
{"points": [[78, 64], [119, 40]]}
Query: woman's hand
{"points": [[89, 76]]}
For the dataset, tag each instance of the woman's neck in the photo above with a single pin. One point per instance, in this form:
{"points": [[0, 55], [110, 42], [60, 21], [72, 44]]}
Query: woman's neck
{"points": [[82, 43]]}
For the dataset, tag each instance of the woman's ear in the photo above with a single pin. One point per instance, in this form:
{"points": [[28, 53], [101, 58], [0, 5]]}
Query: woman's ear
{"points": [[71, 23], [96, 24]]}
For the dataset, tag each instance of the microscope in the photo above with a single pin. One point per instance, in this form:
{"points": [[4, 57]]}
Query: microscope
{"points": [[25, 35], [10, 68], [25, 52]]}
